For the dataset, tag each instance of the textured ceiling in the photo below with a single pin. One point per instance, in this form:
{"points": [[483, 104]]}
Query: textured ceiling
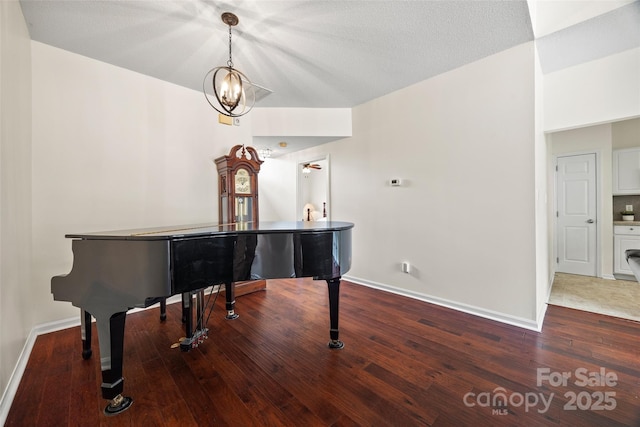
{"points": [[319, 53], [309, 53]]}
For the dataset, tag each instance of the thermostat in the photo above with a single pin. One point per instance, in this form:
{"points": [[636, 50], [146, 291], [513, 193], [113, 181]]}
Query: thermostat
{"points": [[395, 182]]}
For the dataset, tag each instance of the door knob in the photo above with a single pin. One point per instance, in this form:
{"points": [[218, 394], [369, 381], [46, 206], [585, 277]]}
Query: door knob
{"points": [[590, 221]]}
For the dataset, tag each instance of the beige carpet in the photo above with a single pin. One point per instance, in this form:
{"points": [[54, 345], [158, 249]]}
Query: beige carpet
{"points": [[619, 298]]}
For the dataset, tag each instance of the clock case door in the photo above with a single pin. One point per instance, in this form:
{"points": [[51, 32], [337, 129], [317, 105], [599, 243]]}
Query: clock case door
{"points": [[240, 157]]}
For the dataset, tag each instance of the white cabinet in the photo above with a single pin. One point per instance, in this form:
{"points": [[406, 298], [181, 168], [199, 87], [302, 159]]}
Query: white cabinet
{"points": [[624, 237], [626, 171]]}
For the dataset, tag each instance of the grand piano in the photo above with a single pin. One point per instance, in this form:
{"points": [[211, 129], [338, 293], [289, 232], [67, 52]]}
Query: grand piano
{"points": [[119, 270]]}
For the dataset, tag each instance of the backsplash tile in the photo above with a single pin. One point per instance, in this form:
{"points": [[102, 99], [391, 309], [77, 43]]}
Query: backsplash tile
{"points": [[620, 202]]}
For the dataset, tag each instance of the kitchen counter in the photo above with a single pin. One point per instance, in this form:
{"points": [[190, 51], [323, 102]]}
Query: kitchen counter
{"points": [[627, 223]]}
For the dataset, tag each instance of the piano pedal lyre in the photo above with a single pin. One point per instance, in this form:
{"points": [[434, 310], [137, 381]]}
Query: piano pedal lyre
{"points": [[118, 404], [195, 340]]}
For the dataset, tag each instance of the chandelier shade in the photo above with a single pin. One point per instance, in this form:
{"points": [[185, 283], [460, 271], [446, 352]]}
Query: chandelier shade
{"points": [[233, 93]]}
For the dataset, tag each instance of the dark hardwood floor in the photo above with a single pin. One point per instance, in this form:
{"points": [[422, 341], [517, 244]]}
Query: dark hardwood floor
{"points": [[405, 363]]}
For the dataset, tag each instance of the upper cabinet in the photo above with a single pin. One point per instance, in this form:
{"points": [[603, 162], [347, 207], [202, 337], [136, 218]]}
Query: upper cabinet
{"points": [[626, 171]]}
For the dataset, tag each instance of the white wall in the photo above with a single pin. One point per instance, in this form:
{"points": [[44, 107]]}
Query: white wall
{"points": [[463, 143], [16, 310], [283, 122], [543, 230], [600, 91], [114, 149], [625, 134], [277, 186]]}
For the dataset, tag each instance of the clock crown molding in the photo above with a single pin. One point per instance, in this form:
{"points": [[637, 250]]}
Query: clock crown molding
{"points": [[238, 156], [238, 185]]}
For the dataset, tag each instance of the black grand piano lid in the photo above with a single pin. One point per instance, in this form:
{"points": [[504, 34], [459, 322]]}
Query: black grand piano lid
{"points": [[208, 229]]}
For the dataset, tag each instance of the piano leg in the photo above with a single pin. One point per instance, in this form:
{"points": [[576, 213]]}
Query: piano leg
{"points": [[85, 333], [163, 309], [111, 337], [334, 296], [230, 293]]}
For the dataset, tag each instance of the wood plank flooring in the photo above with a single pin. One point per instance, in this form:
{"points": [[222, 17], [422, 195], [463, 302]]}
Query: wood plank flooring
{"points": [[405, 363]]}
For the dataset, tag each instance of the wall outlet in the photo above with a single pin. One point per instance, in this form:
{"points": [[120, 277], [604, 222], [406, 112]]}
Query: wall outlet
{"points": [[406, 267], [629, 208], [395, 182]]}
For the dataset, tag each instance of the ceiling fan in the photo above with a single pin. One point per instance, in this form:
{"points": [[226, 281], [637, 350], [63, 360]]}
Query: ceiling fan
{"points": [[311, 166], [306, 168]]}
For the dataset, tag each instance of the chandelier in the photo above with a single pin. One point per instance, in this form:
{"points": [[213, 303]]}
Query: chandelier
{"points": [[233, 92]]}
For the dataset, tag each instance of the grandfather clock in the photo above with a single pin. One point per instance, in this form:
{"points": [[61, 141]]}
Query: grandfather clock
{"points": [[238, 198], [238, 185]]}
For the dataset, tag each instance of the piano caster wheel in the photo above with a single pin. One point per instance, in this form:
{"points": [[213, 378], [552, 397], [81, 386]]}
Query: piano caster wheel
{"points": [[336, 344], [86, 354], [231, 315], [118, 404]]}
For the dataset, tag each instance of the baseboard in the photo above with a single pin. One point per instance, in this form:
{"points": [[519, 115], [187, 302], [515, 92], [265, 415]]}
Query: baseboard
{"points": [[626, 277], [542, 310], [541, 313], [465, 308], [16, 376]]}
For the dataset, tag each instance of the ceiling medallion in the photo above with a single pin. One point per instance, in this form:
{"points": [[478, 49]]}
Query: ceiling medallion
{"points": [[233, 92]]}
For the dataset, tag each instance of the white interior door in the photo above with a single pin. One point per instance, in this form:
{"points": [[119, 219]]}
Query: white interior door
{"points": [[576, 214]]}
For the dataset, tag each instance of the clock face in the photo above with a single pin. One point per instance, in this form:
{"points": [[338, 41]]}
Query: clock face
{"points": [[242, 182]]}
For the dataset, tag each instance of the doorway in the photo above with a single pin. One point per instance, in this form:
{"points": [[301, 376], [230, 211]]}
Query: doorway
{"points": [[313, 196], [576, 214]]}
